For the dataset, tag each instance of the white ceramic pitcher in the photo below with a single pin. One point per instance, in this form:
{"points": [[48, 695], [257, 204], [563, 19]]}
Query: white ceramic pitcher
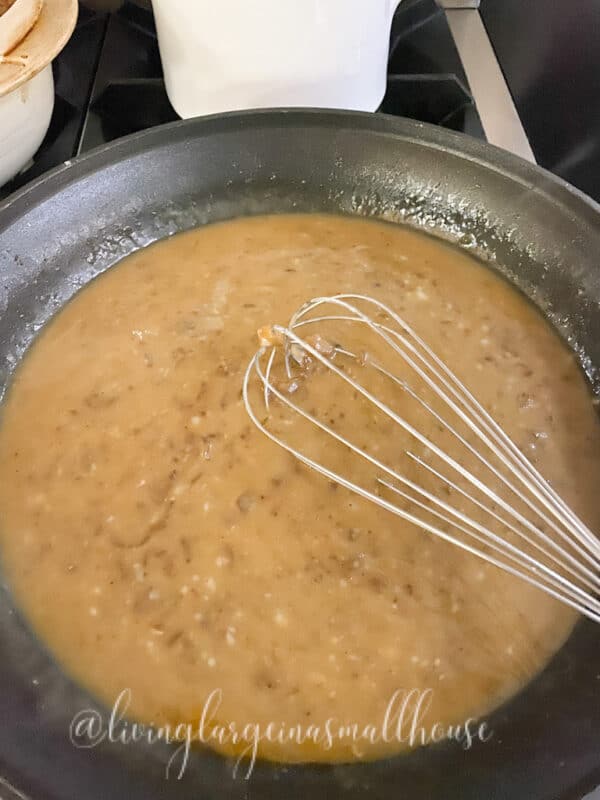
{"points": [[222, 55]]}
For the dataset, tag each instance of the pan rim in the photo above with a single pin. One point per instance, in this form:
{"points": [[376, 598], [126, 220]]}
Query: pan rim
{"points": [[430, 136]]}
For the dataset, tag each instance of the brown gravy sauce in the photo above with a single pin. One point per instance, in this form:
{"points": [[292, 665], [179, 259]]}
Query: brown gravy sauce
{"points": [[157, 542]]}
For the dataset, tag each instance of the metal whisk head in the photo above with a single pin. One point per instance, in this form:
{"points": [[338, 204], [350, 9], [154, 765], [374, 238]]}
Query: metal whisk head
{"points": [[441, 462]]}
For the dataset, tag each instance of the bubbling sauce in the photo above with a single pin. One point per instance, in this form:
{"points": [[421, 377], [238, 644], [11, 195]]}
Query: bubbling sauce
{"points": [[159, 543]]}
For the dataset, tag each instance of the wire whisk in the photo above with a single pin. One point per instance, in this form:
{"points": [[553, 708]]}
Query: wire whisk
{"points": [[468, 484]]}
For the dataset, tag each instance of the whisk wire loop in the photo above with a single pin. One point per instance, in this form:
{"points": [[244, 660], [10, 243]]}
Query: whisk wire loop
{"points": [[567, 569]]}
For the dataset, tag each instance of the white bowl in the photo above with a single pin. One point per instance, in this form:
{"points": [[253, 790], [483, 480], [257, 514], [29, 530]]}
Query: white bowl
{"points": [[229, 55], [25, 115], [26, 83]]}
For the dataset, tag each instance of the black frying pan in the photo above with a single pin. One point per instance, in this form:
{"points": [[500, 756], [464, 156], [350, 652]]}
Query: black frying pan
{"points": [[59, 233]]}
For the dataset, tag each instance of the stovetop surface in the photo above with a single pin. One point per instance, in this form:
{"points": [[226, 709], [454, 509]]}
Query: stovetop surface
{"points": [[109, 81]]}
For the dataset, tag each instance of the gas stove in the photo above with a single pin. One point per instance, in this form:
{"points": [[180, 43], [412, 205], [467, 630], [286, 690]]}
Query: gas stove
{"points": [[487, 68], [109, 81]]}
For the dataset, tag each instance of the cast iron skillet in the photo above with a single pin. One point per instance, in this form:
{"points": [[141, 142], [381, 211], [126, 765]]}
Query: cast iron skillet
{"points": [[60, 232]]}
